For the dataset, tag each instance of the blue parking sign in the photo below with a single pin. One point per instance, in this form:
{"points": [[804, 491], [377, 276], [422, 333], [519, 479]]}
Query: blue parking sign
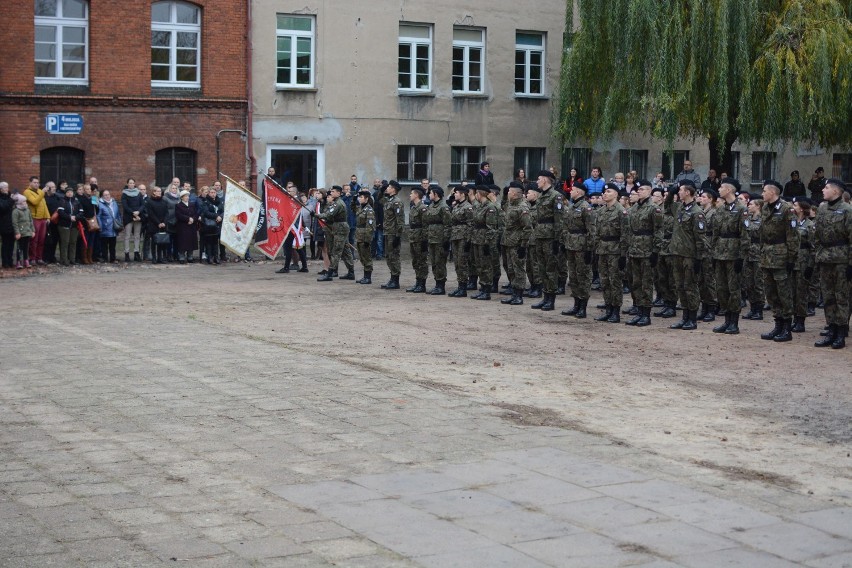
{"points": [[65, 123]]}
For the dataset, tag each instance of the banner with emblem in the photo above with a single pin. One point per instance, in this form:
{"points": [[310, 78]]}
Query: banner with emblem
{"points": [[282, 211], [239, 220]]}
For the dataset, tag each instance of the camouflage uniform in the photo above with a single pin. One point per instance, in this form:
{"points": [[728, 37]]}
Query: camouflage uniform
{"points": [[577, 231], [645, 228], [664, 274], [547, 236], [687, 247], [752, 277], [418, 242], [779, 246], [516, 234], [610, 240], [497, 246], [532, 266], [338, 232], [483, 238], [365, 226], [462, 217], [393, 226], [707, 282], [437, 222], [803, 271], [730, 242], [833, 236]]}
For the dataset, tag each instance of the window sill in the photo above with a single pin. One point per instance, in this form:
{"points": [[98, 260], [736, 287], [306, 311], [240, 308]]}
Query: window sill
{"points": [[295, 89], [532, 97], [464, 95], [416, 93]]}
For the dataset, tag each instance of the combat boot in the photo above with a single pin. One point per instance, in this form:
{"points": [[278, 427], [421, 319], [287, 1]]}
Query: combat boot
{"points": [[392, 284], [350, 275], [459, 292], [668, 311], [645, 320], [658, 302], [325, 277], [734, 326], [509, 300], [472, 283], [758, 314], [367, 279], [704, 310], [484, 292], [605, 315], [631, 311], [518, 298], [438, 290], [692, 320], [535, 291], [543, 301], [724, 327], [829, 338], [572, 311], [710, 313], [549, 303], [615, 316], [798, 324], [581, 312], [495, 284], [840, 339], [417, 288], [811, 308], [507, 290], [640, 312], [682, 322], [770, 335], [560, 290], [785, 334], [333, 273]]}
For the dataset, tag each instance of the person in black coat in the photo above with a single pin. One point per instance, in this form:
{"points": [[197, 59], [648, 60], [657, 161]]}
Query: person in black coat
{"points": [[794, 187], [156, 216], [7, 229], [484, 175], [210, 212], [186, 233], [70, 215]]}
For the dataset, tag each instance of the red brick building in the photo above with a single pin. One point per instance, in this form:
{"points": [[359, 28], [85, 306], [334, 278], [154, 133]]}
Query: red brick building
{"points": [[153, 83]]}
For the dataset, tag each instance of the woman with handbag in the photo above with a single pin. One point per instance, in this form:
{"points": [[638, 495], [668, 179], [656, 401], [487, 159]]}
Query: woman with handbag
{"points": [[186, 234], [132, 203], [156, 215], [210, 212], [109, 218]]}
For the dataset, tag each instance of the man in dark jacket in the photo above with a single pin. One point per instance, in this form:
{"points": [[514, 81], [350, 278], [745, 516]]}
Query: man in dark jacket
{"points": [[816, 185], [794, 187], [53, 200]]}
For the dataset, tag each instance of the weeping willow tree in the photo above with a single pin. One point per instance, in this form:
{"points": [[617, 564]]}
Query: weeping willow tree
{"points": [[758, 71]]}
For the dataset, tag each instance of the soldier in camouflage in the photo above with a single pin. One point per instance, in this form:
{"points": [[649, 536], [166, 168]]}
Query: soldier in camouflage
{"points": [[610, 240], [645, 237], [664, 273], [548, 235], [779, 246], [532, 265], [338, 231], [730, 242], [687, 247], [751, 272], [437, 220], [516, 234], [707, 198], [418, 241], [577, 231], [462, 217], [804, 269], [365, 226], [833, 236], [394, 222], [483, 238], [498, 237]]}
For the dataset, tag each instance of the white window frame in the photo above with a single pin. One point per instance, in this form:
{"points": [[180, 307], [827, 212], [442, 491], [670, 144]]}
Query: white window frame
{"points": [[412, 152], [528, 50], [467, 46], [465, 160], [413, 43], [59, 23], [174, 28], [294, 36]]}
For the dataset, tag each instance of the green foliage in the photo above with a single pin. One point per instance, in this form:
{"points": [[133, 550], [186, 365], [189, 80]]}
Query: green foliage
{"points": [[772, 71]]}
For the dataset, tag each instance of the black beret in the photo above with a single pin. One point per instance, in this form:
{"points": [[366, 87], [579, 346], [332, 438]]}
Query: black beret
{"points": [[610, 185], [417, 190], [732, 181], [437, 189], [580, 186], [461, 188], [658, 190], [836, 181], [484, 188], [494, 187], [794, 173], [803, 199], [533, 186], [622, 193], [688, 182], [773, 183], [365, 193], [711, 192], [546, 173], [395, 184], [337, 187], [516, 185], [644, 183], [753, 196]]}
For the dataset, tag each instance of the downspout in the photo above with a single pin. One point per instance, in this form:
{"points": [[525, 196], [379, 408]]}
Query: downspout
{"points": [[249, 114]]}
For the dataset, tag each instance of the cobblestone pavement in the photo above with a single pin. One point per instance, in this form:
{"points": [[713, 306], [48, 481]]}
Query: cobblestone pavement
{"points": [[226, 450]]}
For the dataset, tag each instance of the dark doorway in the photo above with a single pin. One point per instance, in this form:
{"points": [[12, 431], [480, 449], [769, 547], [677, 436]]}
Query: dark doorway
{"points": [[175, 163], [62, 163], [298, 166]]}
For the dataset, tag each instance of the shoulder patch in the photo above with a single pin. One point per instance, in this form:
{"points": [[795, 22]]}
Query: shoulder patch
{"points": [[747, 222], [793, 223], [701, 224]]}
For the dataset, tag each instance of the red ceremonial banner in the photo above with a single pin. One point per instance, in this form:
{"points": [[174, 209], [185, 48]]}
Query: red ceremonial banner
{"points": [[282, 210]]}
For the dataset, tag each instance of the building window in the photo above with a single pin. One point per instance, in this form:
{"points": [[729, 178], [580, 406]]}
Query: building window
{"points": [[673, 167], [413, 163], [629, 160], [175, 45], [468, 53], [464, 162], [841, 167], [172, 163], [529, 63], [762, 167], [62, 163], [530, 159], [61, 41], [579, 158], [415, 57], [295, 49]]}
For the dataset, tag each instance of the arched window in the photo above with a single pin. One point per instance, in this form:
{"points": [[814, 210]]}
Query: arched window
{"points": [[175, 44], [62, 41], [62, 163], [175, 163]]}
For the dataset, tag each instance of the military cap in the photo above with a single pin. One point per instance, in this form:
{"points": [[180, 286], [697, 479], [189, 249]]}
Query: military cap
{"points": [[644, 183], [688, 182], [711, 192], [794, 173], [365, 193], [516, 185], [395, 184], [337, 187], [803, 199], [838, 182], [532, 186], [546, 173], [658, 190], [461, 188], [580, 186], [417, 190], [773, 183], [753, 196], [483, 188], [732, 181], [438, 190], [622, 193], [610, 185], [493, 187]]}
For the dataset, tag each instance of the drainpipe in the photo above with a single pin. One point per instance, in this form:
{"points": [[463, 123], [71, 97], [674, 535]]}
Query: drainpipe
{"points": [[249, 115]]}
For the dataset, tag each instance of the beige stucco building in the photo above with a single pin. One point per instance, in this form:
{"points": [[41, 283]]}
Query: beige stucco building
{"points": [[406, 90]]}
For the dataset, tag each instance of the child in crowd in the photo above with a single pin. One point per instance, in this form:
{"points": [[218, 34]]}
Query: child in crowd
{"points": [[22, 221]]}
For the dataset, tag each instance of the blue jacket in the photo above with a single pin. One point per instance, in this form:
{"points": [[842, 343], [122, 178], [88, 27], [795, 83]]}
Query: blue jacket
{"points": [[594, 187], [105, 218]]}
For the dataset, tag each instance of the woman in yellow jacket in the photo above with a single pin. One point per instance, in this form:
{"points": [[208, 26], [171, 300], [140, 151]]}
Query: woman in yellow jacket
{"points": [[41, 217]]}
